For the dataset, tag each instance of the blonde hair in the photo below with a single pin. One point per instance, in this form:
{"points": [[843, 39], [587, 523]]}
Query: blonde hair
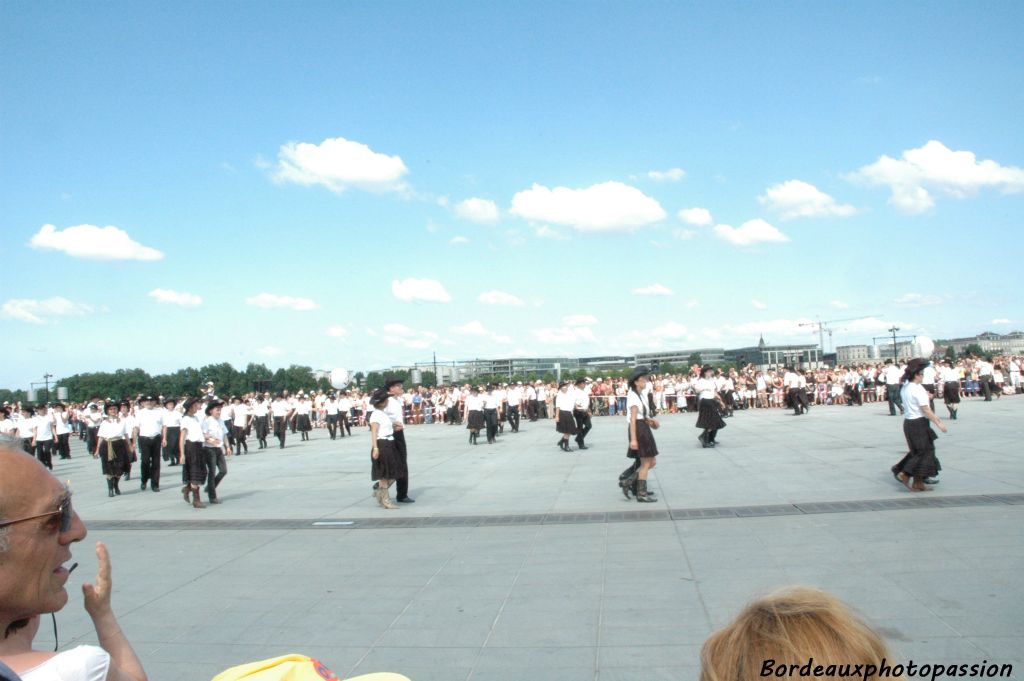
{"points": [[790, 626]]}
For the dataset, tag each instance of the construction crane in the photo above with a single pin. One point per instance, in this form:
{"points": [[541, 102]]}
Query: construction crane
{"points": [[825, 325]]}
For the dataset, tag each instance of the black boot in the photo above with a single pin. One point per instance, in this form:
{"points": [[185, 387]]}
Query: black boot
{"points": [[110, 487], [117, 488], [627, 484], [642, 495]]}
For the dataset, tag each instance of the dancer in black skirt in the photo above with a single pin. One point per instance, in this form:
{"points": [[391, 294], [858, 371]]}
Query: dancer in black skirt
{"points": [[642, 448], [709, 407], [387, 465], [190, 452], [565, 424], [920, 462], [474, 414], [112, 447], [950, 388]]}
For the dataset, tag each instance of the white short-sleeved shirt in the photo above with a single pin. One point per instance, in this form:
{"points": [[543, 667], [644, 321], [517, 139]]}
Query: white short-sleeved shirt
{"points": [[385, 430], [171, 418], [215, 429], [565, 401], [113, 428], [474, 403], [914, 396], [193, 429], [44, 429], [84, 663], [633, 400], [705, 389]]}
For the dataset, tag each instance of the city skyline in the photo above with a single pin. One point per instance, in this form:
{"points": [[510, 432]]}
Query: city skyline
{"points": [[361, 185]]}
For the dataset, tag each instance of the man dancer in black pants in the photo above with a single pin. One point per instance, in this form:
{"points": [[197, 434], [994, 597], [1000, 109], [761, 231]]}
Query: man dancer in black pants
{"points": [[581, 412], [515, 400], [395, 411], [149, 430], [531, 402]]}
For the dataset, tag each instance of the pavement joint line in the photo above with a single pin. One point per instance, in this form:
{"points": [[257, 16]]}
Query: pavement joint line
{"points": [[566, 518]]}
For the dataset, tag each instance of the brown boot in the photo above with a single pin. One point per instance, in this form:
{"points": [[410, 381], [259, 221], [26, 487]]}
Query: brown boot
{"points": [[196, 501]]}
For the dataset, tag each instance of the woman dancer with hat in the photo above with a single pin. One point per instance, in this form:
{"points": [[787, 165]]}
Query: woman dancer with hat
{"points": [[642, 448], [474, 414], [709, 407], [112, 447], [920, 462], [190, 453], [387, 465], [565, 423]]}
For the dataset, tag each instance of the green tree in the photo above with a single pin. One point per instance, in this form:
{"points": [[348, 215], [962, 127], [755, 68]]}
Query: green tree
{"points": [[358, 378], [429, 379], [950, 353], [694, 358], [973, 350]]}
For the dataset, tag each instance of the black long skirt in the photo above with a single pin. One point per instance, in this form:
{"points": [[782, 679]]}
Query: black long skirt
{"points": [[951, 392], [475, 420], [303, 425], [389, 464], [566, 424], [114, 458], [920, 461], [709, 415], [646, 446], [195, 464]]}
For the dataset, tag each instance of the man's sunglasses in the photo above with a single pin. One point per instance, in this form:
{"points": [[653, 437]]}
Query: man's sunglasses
{"points": [[65, 511]]}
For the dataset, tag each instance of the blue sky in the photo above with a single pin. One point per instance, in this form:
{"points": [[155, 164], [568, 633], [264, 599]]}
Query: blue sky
{"points": [[261, 181]]}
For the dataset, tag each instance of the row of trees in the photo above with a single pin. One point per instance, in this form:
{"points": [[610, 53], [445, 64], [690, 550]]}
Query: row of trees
{"points": [[189, 381]]}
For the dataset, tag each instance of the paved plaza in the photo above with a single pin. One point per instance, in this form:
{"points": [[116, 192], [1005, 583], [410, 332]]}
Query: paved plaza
{"points": [[519, 561]]}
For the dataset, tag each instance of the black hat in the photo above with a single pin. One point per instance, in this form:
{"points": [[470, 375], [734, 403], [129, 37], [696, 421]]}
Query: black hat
{"points": [[392, 381], [147, 398], [108, 405], [170, 400], [236, 397], [580, 380], [189, 403], [379, 395], [638, 372], [562, 384], [914, 367], [213, 405], [706, 368]]}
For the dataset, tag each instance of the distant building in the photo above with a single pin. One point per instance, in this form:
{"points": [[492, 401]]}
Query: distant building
{"points": [[680, 358], [763, 355], [1008, 343], [851, 354]]}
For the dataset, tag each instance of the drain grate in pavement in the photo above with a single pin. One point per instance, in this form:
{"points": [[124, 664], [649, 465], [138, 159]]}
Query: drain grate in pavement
{"points": [[801, 508]]}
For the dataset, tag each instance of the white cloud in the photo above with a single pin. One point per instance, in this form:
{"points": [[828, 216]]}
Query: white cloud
{"points": [[699, 217], [270, 351], [499, 298], [579, 320], [475, 328], [400, 334], [668, 331], [798, 199], [477, 210], [1001, 320], [750, 232], [684, 234], [670, 175], [429, 290], [545, 232], [936, 168], [690, 304], [872, 325], [339, 164], [337, 331], [272, 301], [93, 243], [654, 338], [165, 295], [917, 300], [652, 290], [575, 329], [564, 336], [456, 240], [605, 207], [40, 311], [758, 305], [839, 305]]}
